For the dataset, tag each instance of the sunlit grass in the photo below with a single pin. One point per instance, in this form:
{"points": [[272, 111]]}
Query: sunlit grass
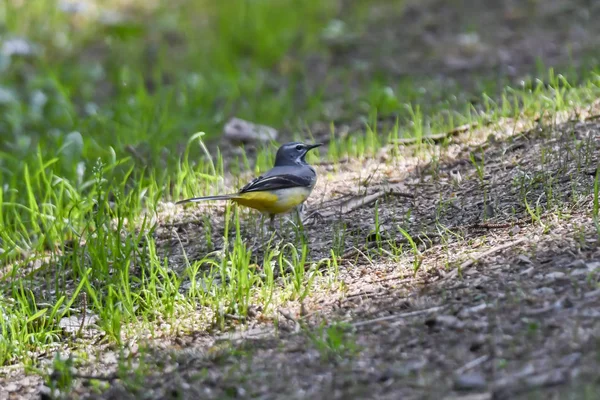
{"points": [[113, 120]]}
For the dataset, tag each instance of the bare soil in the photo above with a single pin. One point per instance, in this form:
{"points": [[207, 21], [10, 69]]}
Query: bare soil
{"points": [[506, 301], [504, 307], [443, 54]]}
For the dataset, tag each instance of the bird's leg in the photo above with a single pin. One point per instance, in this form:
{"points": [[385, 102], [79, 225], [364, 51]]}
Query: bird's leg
{"points": [[298, 215], [272, 222], [267, 234], [313, 217], [274, 232], [261, 231]]}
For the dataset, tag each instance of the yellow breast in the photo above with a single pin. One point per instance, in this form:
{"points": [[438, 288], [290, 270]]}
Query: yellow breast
{"points": [[276, 201]]}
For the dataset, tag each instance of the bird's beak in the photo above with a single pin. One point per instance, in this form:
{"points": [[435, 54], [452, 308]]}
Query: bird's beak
{"points": [[313, 146]]}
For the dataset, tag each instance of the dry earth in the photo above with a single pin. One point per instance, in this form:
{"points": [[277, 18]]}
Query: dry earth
{"points": [[436, 52], [502, 307], [505, 305]]}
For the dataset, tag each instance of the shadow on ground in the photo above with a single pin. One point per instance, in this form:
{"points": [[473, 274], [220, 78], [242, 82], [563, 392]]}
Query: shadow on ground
{"points": [[504, 304]]}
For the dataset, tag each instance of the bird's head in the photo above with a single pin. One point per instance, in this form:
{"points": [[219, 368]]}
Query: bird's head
{"points": [[293, 153]]}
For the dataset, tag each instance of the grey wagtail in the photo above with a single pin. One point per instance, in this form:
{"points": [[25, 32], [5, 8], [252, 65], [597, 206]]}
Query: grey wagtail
{"points": [[284, 187]]}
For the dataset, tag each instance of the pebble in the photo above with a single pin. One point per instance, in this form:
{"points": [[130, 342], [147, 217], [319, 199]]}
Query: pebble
{"points": [[579, 272], [555, 275], [239, 130], [465, 312], [543, 291], [470, 381], [449, 321], [577, 264], [11, 387], [529, 271], [524, 259], [593, 266]]}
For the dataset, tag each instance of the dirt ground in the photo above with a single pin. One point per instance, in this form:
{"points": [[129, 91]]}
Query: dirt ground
{"points": [[506, 301], [441, 54], [505, 307]]}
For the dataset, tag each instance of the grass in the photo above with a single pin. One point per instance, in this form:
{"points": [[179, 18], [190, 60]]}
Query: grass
{"points": [[334, 342], [99, 130]]}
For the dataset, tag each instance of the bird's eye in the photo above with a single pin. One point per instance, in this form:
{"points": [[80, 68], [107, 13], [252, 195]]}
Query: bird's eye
{"points": [[299, 147]]}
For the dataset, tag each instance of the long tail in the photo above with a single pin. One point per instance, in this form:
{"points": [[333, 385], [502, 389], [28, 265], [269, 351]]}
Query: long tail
{"points": [[208, 198]]}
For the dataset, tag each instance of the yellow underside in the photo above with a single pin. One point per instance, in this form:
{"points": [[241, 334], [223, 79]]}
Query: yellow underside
{"points": [[277, 202]]}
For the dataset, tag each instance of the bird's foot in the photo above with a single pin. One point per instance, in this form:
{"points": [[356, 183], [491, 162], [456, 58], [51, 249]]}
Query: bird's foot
{"points": [[313, 218]]}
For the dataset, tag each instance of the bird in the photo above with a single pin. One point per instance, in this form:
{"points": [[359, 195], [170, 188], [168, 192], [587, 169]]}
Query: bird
{"points": [[284, 187]]}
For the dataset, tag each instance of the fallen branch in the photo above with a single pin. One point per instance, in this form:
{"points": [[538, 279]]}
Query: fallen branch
{"points": [[234, 317], [469, 263], [287, 316], [397, 316], [107, 378], [354, 251], [434, 137], [472, 364], [440, 136], [365, 200], [513, 387], [356, 203], [391, 278]]}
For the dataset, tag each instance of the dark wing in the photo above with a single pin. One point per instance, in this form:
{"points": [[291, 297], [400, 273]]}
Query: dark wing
{"points": [[275, 182]]}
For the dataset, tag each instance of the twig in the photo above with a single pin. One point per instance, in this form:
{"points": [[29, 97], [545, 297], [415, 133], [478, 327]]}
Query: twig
{"points": [[469, 263], [368, 293], [354, 251], [287, 316], [410, 140], [510, 388], [391, 278], [108, 378], [488, 225], [439, 136], [397, 316], [133, 151], [234, 317], [592, 117], [472, 364], [326, 162], [356, 203]]}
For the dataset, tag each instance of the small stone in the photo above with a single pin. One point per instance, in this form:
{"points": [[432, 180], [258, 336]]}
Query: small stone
{"points": [[73, 323], [543, 291], [45, 393], [529, 271], [240, 131], [555, 275], [109, 358], [592, 294], [577, 264], [524, 259], [470, 381], [593, 266], [465, 312], [570, 360], [563, 303], [579, 272], [12, 387], [449, 321], [515, 230]]}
